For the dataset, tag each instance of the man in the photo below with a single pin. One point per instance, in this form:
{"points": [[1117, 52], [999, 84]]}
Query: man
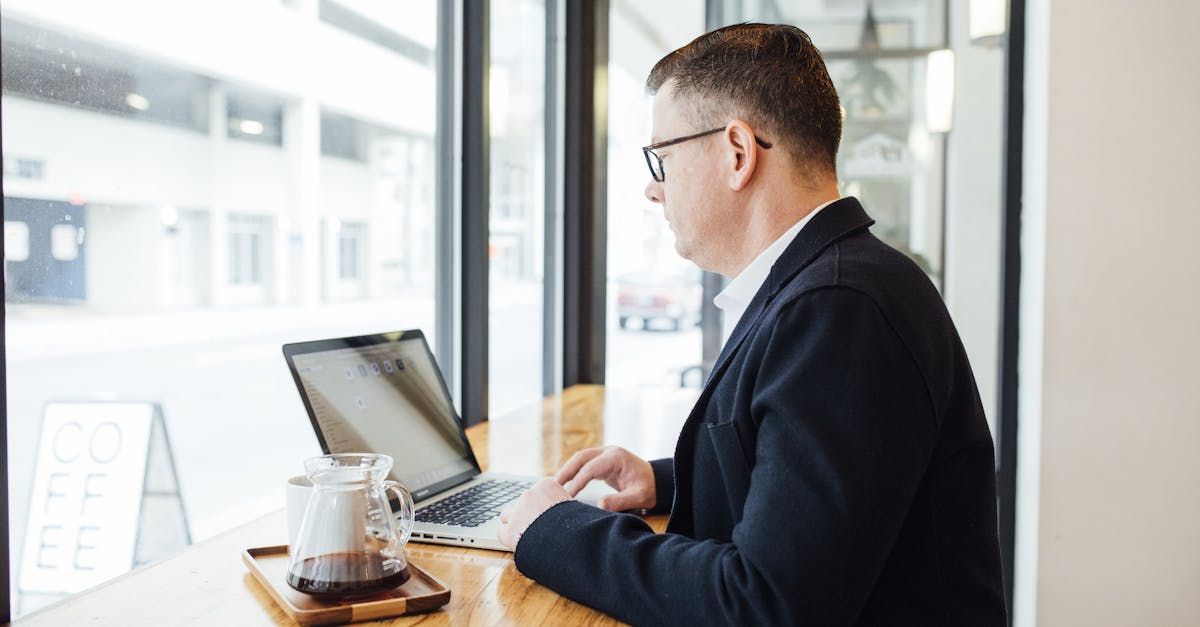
{"points": [[837, 468]]}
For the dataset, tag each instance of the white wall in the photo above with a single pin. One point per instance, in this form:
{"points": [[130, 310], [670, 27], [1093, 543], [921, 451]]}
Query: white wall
{"points": [[129, 170], [112, 160], [121, 276], [1111, 316], [105, 159]]}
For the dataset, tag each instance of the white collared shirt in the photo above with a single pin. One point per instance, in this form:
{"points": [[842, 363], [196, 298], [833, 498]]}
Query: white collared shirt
{"points": [[733, 300]]}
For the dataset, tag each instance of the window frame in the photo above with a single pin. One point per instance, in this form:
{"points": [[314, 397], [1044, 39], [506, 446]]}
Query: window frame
{"points": [[585, 196], [474, 194], [1007, 420]]}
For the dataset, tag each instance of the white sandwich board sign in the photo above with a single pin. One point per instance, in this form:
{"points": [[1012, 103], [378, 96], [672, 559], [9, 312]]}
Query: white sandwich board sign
{"points": [[104, 490]]}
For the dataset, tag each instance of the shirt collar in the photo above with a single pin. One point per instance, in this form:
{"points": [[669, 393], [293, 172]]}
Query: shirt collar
{"points": [[738, 293]]}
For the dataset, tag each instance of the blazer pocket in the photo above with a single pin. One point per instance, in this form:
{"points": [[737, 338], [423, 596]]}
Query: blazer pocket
{"points": [[731, 458]]}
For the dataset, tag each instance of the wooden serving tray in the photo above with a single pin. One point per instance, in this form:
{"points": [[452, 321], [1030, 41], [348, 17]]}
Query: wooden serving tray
{"points": [[421, 593]]}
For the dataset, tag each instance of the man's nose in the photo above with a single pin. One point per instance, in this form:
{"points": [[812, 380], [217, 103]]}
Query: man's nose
{"points": [[654, 191]]}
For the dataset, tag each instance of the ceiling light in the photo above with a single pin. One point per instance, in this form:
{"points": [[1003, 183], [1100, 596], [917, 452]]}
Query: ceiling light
{"points": [[988, 21], [137, 101], [251, 127]]}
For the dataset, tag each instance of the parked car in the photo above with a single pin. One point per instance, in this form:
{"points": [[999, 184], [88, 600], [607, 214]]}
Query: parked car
{"points": [[649, 296]]}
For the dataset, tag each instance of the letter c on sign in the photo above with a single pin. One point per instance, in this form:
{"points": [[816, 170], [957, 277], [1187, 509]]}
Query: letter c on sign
{"points": [[105, 442]]}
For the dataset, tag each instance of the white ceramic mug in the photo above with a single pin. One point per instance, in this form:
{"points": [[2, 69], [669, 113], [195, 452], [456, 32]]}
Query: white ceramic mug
{"points": [[299, 488]]}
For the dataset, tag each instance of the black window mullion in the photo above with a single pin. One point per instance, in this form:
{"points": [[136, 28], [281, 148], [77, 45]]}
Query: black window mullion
{"points": [[1010, 298], [585, 199], [474, 194]]}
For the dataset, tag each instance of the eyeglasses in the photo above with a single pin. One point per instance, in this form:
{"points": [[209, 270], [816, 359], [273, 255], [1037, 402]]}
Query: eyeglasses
{"points": [[648, 151]]}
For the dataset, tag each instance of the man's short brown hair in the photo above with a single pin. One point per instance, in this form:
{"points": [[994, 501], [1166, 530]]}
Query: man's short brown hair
{"points": [[772, 76]]}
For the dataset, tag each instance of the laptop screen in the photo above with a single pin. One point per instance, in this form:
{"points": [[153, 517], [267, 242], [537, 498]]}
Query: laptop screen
{"points": [[384, 394]]}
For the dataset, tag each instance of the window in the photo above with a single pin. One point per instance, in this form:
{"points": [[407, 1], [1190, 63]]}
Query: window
{"points": [[63, 244], [891, 156], [350, 252], [923, 158], [921, 144], [177, 209], [517, 204], [253, 117], [654, 296], [342, 136], [245, 249]]}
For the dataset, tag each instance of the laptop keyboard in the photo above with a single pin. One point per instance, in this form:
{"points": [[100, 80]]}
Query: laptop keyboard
{"points": [[474, 506]]}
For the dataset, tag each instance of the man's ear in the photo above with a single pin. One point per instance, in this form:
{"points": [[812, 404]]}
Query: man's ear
{"points": [[743, 156]]}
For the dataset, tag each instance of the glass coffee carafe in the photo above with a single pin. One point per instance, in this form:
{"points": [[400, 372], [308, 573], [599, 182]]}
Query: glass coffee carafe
{"points": [[350, 543]]}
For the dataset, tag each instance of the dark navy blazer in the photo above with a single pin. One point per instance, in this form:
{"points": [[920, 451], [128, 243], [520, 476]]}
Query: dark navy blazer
{"points": [[837, 468]]}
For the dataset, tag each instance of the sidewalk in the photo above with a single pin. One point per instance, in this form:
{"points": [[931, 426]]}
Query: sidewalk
{"points": [[44, 332], [53, 331]]}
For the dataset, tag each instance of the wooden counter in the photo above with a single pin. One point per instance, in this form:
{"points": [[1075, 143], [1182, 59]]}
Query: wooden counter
{"points": [[208, 584]]}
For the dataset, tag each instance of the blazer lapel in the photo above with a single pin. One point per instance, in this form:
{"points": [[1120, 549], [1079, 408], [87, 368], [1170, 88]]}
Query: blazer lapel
{"points": [[833, 223], [748, 321]]}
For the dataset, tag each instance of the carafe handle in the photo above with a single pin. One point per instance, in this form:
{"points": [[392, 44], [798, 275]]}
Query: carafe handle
{"points": [[407, 509]]}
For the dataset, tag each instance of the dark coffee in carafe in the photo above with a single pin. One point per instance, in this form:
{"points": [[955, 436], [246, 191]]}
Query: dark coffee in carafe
{"points": [[344, 575]]}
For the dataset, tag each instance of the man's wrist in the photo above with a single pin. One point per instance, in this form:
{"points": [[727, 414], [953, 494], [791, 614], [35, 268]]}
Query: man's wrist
{"points": [[544, 519], [664, 485]]}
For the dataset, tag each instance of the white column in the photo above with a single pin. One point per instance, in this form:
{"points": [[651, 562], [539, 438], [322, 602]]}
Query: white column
{"points": [[299, 273], [218, 132], [299, 255]]}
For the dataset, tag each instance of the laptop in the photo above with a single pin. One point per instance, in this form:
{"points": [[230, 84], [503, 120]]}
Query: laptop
{"points": [[384, 393]]}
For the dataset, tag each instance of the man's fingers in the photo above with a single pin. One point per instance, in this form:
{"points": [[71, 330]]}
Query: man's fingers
{"points": [[598, 467], [567, 472]]}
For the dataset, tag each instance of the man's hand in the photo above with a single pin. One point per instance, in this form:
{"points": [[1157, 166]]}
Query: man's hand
{"points": [[516, 518], [631, 476]]}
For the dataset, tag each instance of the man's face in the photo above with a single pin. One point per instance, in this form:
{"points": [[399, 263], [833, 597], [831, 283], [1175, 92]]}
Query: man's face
{"points": [[695, 200]]}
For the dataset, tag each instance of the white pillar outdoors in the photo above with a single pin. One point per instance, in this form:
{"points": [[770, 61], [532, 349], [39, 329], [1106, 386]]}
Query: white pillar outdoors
{"points": [[218, 132]]}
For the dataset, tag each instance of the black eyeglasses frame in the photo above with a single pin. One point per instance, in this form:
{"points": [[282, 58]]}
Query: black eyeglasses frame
{"points": [[660, 175]]}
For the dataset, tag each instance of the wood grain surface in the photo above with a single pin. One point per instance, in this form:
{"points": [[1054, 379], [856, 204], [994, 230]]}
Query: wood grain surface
{"points": [[208, 585], [421, 593]]}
